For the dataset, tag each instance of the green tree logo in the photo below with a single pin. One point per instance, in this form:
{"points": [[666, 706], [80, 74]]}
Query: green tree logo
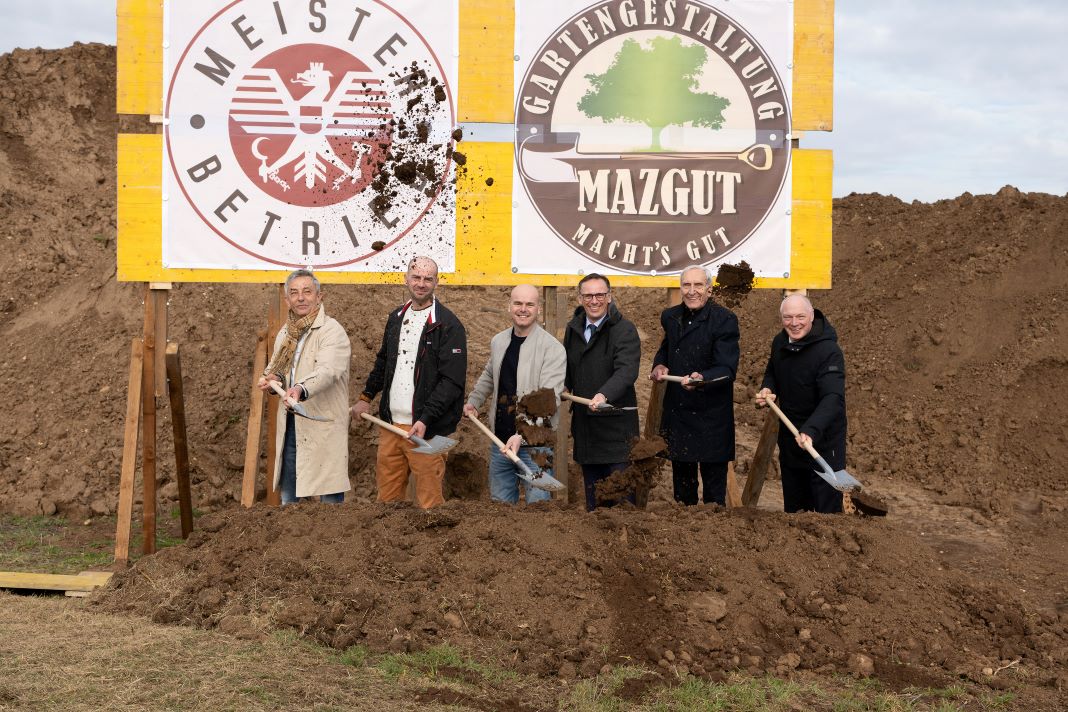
{"points": [[655, 87]]}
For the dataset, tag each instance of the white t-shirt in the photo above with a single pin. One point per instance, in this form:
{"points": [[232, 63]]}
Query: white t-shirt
{"points": [[402, 390]]}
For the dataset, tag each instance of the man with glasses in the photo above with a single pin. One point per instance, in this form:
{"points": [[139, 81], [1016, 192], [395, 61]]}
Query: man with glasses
{"points": [[603, 352], [805, 377]]}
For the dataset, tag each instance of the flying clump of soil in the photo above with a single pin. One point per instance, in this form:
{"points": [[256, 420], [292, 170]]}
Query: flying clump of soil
{"points": [[640, 476], [733, 283], [533, 413]]}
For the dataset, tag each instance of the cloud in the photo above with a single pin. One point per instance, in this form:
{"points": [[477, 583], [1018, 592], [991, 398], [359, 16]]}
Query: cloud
{"points": [[934, 100], [55, 23]]}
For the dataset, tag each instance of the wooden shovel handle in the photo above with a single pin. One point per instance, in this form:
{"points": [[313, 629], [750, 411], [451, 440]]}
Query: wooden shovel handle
{"points": [[277, 388], [782, 416], [383, 424], [576, 399], [497, 441]]}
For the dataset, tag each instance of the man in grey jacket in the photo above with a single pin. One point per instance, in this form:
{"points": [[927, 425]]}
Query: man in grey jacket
{"points": [[523, 359]]}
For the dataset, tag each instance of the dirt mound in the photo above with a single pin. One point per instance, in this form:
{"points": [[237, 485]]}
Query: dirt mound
{"points": [[697, 589]]}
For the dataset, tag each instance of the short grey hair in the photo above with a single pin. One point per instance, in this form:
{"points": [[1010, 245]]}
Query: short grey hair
{"points": [[807, 301], [706, 270], [296, 274]]}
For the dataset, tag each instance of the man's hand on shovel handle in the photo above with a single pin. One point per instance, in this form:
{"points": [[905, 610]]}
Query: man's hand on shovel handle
{"points": [[264, 384], [802, 439], [763, 396], [361, 406], [689, 383], [597, 401], [658, 372], [417, 430]]}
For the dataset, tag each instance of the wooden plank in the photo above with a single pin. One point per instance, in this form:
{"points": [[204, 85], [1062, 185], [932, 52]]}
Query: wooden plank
{"points": [[813, 74], [181, 446], [159, 296], [148, 427], [85, 581], [255, 424], [129, 455], [487, 32], [139, 57], [276, 319], [655, 410], [758, 468]]}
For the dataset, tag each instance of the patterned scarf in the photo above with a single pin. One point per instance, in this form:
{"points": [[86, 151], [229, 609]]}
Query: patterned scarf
{"points": [[296, 327]]}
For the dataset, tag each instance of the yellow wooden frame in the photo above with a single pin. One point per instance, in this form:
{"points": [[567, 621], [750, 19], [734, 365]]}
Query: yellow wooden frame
{"points": [[484, 213]]}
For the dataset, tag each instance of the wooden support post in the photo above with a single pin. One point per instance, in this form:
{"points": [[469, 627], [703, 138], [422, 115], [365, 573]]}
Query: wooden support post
{"points": [[129, 455], [255, 424], [181, 447], [734, 496], [155, 303], [276, 319], [758, 468], [655, 409], [554, 322], [161, 291]]}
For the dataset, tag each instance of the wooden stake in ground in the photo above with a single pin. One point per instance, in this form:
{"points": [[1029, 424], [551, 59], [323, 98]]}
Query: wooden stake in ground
{"points": [[276, 319], [181, 448], [758, 468], [129, 455], [255, 423], [155, 304]]}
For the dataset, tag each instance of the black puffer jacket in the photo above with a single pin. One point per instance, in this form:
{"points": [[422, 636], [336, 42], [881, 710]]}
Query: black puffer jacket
{"points": [[440, 371], [808, 376], [699, 424], [608, 364]]}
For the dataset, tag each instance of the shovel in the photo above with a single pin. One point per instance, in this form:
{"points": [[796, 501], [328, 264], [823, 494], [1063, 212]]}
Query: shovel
{"points": [[694, 381], [603, 407], [839, 479], [294, 405], [434, 446], [540, 479]]}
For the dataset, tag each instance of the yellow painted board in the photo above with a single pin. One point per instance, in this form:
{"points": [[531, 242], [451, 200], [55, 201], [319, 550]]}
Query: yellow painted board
{"points": [[85, 581], [813, 79], [139, 57], [483, 225], [487, 31]]}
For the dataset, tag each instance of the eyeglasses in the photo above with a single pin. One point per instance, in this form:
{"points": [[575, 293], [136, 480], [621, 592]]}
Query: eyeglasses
{"points": [[595, 297]]}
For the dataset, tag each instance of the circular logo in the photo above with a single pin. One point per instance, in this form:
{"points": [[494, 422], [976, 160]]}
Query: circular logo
{"points": [[315, 135], [651, 136]]}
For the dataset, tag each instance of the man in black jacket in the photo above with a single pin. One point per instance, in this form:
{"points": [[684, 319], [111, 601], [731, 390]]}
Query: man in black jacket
{"points": [[701, 344], [805, 376], [421, 370], [603, 351]]}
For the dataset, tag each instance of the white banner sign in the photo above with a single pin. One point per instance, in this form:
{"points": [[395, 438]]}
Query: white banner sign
{"points": [[309, 133], [652, 135]]}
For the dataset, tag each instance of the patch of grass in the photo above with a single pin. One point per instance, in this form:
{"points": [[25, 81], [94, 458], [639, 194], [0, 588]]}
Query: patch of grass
{"points": [[355, 656], [176, 513], [40, 544], [439, 661], [599, 693]]}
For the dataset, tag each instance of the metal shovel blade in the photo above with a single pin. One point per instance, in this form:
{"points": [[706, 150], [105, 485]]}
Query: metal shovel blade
{"points": [[299, 410], [839, 479], [434, 446], [540, 479]]}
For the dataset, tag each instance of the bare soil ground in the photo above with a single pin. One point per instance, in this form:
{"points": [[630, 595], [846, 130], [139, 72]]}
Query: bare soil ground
{"points": [[949, 314]]}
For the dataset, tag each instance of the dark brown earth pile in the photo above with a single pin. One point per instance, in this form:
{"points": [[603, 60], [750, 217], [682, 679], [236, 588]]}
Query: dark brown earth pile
{"points": [[703, 590]]}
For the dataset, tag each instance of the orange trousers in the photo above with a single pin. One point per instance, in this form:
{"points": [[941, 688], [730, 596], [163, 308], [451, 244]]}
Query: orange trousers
{"points": [[394, 463]]}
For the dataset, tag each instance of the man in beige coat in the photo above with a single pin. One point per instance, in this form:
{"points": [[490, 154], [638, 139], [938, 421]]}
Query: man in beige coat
{"points": [[522, 359], [311, 361]]}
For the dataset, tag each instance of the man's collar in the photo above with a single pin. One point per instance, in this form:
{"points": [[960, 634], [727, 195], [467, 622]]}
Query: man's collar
{"points": [[595, 323], [432, 317]]}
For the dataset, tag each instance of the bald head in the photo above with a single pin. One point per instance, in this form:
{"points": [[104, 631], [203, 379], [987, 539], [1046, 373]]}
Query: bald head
{"points": [[421, 280], [523, 307], [797, 314]]}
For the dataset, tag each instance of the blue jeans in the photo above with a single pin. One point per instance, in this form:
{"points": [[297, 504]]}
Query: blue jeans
{"points": [[288, 477], [504, 478]]}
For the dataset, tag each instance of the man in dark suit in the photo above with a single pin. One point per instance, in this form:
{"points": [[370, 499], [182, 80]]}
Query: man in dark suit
{"points": [[700, 343], [603, 352]]}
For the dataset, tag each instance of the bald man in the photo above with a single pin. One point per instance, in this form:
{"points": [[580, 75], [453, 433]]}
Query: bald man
{"points": [[523, 359], [421, 371], [805, 377]]}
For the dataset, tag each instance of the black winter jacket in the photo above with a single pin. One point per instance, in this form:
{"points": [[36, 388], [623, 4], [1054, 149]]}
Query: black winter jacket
{"points": [[699, 424], [808, 378], [440, 371], [608, 364]]}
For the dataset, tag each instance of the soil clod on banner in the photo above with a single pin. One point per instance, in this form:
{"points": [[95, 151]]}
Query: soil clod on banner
{"points": [[733, 283], [640, 476]]}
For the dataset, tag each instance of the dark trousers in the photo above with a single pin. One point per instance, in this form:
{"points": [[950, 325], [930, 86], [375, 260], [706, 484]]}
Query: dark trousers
{"points": [[805, 491], [713, 481], [287, 478], [592, 474]]}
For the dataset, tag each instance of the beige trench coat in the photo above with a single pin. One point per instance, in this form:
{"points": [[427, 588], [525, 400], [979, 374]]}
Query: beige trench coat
{"points": [[322, 447]]}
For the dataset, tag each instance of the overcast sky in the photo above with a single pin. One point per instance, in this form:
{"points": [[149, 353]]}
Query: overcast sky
{"points": [[931, 98]]}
